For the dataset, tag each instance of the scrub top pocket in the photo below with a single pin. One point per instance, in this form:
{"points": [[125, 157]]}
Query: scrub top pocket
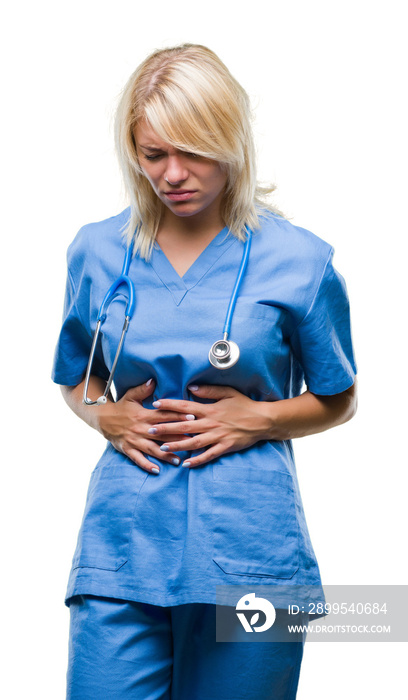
{"points": [[254, 521], [104, 536], [257, 329]]}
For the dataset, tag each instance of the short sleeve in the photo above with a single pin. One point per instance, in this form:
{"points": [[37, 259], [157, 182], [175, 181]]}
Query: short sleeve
{"points": [[322, 341], [74, 344]]}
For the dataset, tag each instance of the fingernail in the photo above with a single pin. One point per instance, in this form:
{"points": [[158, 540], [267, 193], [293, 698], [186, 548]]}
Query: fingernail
{"points": [[164, 448], [193, 387], [186, 464], [190, 416], [156, 404], [149, 381], [155, 470], [175, 461], [152, 431]]}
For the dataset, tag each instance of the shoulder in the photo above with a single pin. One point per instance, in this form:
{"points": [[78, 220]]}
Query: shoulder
{"points": [[97, 240], [291, 260], [293, 244]]}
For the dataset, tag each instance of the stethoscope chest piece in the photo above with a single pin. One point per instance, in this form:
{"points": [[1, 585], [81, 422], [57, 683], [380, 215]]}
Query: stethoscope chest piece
{"points": [[224, 354]]}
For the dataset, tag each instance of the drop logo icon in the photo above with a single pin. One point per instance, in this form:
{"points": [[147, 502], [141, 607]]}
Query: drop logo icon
{"points": [[251, 602]]}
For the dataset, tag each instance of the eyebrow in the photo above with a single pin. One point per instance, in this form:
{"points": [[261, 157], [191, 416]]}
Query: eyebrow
{"points": [[150, 148]]}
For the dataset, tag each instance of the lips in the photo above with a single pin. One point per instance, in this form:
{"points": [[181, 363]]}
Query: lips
{"points": [[179, 195]]}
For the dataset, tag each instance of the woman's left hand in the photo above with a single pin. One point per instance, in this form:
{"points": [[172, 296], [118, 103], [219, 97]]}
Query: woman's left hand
{"points": [[232, 423]]}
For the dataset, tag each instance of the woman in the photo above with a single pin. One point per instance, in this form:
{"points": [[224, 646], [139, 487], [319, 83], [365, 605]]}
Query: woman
{"points": [[159, 545]]}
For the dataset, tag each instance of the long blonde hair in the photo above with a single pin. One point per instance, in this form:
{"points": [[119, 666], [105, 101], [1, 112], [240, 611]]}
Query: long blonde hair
{"points": [[189, 98]]}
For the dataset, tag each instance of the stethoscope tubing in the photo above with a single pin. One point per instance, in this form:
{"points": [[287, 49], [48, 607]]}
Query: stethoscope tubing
{"points": [[122, 279], [238, 282]]}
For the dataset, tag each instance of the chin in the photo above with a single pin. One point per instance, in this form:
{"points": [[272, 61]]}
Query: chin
{"points": [[182, 209]]}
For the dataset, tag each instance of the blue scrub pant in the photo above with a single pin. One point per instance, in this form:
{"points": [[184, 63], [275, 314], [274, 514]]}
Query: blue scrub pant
{"points": [[122, 649]]}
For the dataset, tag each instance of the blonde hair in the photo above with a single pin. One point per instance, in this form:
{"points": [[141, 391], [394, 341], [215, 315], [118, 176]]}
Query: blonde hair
{"points": [[189, 98]]}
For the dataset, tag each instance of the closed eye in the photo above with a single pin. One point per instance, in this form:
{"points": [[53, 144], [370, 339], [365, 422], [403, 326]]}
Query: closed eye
{"points": [[160, 155]]}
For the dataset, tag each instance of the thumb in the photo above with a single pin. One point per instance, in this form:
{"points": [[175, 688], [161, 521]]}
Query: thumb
{"points": [[140, 392], [212, 391]]}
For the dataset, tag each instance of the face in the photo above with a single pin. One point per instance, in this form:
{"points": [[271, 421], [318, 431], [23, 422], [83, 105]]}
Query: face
{"points": [[185, 183]]}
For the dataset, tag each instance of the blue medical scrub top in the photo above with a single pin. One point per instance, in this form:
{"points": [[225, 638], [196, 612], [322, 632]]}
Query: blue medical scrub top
{"points": [[170, 539]]}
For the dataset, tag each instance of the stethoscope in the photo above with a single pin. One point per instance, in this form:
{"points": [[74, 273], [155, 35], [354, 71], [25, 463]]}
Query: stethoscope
{"points": [[223, 354]]}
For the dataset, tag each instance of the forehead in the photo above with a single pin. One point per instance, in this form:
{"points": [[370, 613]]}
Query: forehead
{"points": [[146, 136]]}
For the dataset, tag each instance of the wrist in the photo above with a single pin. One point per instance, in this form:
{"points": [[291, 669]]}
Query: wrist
{"points": [[268, 420], [102, 418], [280, 419]]}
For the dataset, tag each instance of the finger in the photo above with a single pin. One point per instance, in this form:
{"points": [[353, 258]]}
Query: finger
{"points": [[196, 426], [169, 438], [213, 452], [160, 416], [138, 458], [140, 392], [180, 406], [149, 447], [196, 442], [212, 391]]}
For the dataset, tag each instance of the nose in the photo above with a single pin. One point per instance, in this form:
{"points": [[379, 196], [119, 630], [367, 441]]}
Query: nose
{"points": [[176, 170]]}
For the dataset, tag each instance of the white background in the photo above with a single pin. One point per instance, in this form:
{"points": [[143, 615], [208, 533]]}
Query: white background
{"points": [[327, 81]]}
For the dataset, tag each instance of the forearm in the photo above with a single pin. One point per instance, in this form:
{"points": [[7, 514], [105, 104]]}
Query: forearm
{"points": [[308, 414], [73, 397], [125, 422]]}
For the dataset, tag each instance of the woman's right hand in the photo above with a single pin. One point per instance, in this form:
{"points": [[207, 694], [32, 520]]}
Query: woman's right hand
{"points": [[125, 423]]}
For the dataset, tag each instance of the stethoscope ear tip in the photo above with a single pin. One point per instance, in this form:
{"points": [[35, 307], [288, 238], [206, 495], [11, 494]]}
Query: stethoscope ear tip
{"points": [[102, 400]]}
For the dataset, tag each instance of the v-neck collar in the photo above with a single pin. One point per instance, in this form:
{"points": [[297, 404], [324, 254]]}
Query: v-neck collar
{"points": [[179, 286]]}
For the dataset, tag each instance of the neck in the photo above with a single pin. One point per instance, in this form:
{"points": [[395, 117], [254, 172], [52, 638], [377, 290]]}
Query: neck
{"points": [[199, 226]]}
